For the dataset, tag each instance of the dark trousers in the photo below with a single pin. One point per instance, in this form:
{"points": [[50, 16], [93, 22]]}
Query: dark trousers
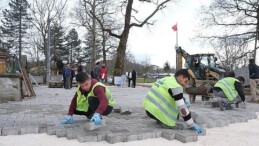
{"points": [[93, 105], [129, 81], [133, 83], [151, 116]]}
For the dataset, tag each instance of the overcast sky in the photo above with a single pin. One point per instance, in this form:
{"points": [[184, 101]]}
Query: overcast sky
{"points": [[158, 43]]}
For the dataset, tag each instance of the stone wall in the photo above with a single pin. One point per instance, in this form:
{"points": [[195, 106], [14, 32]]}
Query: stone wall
{"points": [[10, 89]]}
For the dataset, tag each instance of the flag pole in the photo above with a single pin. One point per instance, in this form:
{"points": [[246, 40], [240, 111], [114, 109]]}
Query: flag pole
{"points": [[176, 35], [176, 45]]}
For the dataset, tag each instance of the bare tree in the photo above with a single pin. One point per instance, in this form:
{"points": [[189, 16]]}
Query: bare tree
{"points": [[42, 11], [98, 37], [231, 53], [232, 20], [127, 5]]}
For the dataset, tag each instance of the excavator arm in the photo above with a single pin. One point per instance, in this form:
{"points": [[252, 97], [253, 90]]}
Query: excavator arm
{"points": [[180, 54]]}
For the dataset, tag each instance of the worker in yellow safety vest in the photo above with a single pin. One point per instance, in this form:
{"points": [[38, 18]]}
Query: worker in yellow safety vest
{"points": [[92, 99], [164, 101], [229, 91]]}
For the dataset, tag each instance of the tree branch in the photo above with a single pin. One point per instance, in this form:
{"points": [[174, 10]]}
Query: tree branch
{"points": [[103, 28], [159, 7]]}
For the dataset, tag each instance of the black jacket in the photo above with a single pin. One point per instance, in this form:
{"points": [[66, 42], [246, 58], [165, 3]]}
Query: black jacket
{"points": [[253, 71]]}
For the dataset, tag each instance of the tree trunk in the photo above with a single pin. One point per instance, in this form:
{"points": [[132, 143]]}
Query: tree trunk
{"points": [[121, 50], [103, 47], [20, 33], [93, 60]]}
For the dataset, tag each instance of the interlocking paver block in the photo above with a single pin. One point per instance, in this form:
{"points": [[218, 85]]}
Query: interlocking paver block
{"points": [[83, 136], [11, 131], [60, 132], [126, 110], [186, 136], [92, 126], [70, 134], [115, 138], [51, 130], [148, 134], [168, 134], [30, 130]]}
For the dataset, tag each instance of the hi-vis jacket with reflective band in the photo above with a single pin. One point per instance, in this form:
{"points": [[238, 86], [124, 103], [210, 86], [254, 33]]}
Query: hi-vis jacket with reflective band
{"points": [[82, 101], [228, 87], [160, 103]]}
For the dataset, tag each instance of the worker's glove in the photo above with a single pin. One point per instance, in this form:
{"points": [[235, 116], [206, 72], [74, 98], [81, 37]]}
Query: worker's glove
{"points": [[96, 119], [196, 128], [187, 103], [68, 120]]}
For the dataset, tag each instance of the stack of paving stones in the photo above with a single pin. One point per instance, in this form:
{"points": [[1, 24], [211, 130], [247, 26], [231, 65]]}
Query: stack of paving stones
{"points": [[128, 122]]}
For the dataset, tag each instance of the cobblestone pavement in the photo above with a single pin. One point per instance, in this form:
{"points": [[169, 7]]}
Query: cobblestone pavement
{"points": [[43, 114]]}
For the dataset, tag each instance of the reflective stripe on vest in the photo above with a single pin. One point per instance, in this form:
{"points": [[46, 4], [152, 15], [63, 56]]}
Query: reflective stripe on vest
{"points": [[228, 87], [160, 103]]}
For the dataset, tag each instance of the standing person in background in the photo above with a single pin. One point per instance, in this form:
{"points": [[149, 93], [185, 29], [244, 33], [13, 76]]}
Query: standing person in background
{"points": [[103, 74], [95, 71], [134, 77], [79, 68], [72, 76], [254, 80], [67, 76], [129, 75]]}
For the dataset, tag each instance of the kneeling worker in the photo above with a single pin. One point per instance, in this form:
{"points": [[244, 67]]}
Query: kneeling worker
{"points": [[92, 99], [165, 100], [229, 91]]}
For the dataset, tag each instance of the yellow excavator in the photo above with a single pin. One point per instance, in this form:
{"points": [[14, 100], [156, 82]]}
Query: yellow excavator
{"points": [[203, 70]]}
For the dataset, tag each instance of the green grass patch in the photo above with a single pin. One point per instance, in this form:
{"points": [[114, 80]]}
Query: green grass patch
{"points": [[147, 80]]}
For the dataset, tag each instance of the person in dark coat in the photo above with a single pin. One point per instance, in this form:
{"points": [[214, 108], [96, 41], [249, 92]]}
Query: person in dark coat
{"points": [[254, 80], [134, 77]]}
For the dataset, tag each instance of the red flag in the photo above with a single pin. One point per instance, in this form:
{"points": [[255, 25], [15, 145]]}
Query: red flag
{"points": [[174, 27]]}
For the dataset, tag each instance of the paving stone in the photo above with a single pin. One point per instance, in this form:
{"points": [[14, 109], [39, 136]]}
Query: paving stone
{"points": [[148, 134], [83, 136], [70, 133], [11, 131], [126, 110], [92, 126], [101, 135], [186, 136], [115, 138], [132, 136], [168, 134], [51, 130], [30, 130], [60, 132]]}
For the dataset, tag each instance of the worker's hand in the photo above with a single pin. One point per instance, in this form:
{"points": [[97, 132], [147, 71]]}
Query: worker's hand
{"points": [[197, 128], [68, 120], [96, 119]]}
